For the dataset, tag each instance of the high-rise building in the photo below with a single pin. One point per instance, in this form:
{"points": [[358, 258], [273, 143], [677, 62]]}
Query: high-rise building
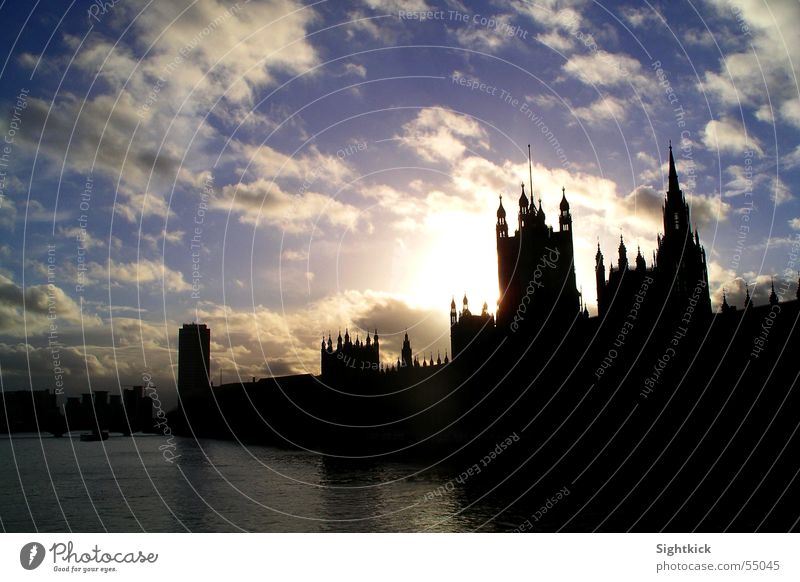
{"points": [[194, 343]]}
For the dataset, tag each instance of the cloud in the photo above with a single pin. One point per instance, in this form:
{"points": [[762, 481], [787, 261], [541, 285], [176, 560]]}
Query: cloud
{"points": [[308, 166], [764, 67], [728, 135], [134, 206], [142, 272], [556, 41], [604, 69], [604, 110], [263, 201], [641, 17], [437, 134], [32, 310], [150, 120], [396, 5]]}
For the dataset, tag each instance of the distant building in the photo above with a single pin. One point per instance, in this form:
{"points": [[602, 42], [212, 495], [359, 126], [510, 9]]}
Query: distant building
{"points": [[350, 354], [194, 344]]}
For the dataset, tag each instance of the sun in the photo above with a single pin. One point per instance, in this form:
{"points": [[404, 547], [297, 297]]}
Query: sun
{"points": [[462, 260]]}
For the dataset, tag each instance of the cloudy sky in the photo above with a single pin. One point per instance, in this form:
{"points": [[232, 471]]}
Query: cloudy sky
{"points": [[281, 170]]}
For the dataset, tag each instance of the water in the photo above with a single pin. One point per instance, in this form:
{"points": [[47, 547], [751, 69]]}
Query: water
{"points": [[125, 485]]}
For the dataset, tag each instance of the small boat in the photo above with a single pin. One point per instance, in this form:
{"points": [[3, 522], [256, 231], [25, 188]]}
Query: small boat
{"points": [[94, 436]]}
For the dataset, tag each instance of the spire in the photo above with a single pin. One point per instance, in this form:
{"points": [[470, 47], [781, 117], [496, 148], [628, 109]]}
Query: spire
{"points": [[773, 297], [530, 171], [725, 307], [501, 212], [641, 265], [564, 204], [747, 300], [673, 174], [523, 201], [599, 256], [623, 254]]}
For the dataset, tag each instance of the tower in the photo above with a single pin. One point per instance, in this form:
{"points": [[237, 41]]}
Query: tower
{"points": [[681, 258], [194, 360], [600, 278], [405, 353], [564, 216], [502, 226], [453, 312], [623, 255]]}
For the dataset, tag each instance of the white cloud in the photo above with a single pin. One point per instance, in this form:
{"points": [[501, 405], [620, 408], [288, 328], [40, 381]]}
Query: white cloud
{"points": [[604, 69], [263, 201], [766, 31], [641, 17], [728, 135], [142, 272], [603, 110], [437, 134]]}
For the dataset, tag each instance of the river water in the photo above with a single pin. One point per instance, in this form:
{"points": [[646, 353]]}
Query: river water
{"points": [[125, 485]]}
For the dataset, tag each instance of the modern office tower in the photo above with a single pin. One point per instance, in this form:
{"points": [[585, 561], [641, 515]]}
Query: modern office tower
{"points": [[194, 342]]}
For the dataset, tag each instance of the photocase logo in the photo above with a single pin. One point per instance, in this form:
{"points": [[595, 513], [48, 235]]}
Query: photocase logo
{"points": [[31, 555]]}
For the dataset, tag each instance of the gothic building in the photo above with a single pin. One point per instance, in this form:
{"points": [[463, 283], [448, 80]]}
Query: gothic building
{"points": [[356, 357], [467, 329], [679, 270], [350, 355], [536, 277], [535, 265]]}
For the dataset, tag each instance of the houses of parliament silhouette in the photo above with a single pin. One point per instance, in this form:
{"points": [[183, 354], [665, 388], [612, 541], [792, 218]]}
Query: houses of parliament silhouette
{"points": [[536, 276], [657, 413]]}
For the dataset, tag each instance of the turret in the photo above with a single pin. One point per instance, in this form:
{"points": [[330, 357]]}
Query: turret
{"points": [[405, 353], [502, 226], [564, 216], [623, 255], [524, 209], [453, 312]]}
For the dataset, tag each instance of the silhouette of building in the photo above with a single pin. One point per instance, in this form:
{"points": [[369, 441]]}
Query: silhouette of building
{"points": [[349, 354], [194, 341], [535, 266], [468, 330], [679, 270]]}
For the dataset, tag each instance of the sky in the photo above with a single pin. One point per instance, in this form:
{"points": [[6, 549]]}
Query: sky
{"points": [[283, 170]]}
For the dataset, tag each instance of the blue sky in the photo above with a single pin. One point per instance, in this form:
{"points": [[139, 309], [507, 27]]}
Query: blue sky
{"points": [[280, 170]]}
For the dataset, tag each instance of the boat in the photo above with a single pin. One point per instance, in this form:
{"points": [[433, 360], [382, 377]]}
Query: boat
{"points": [[94, 436]]}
